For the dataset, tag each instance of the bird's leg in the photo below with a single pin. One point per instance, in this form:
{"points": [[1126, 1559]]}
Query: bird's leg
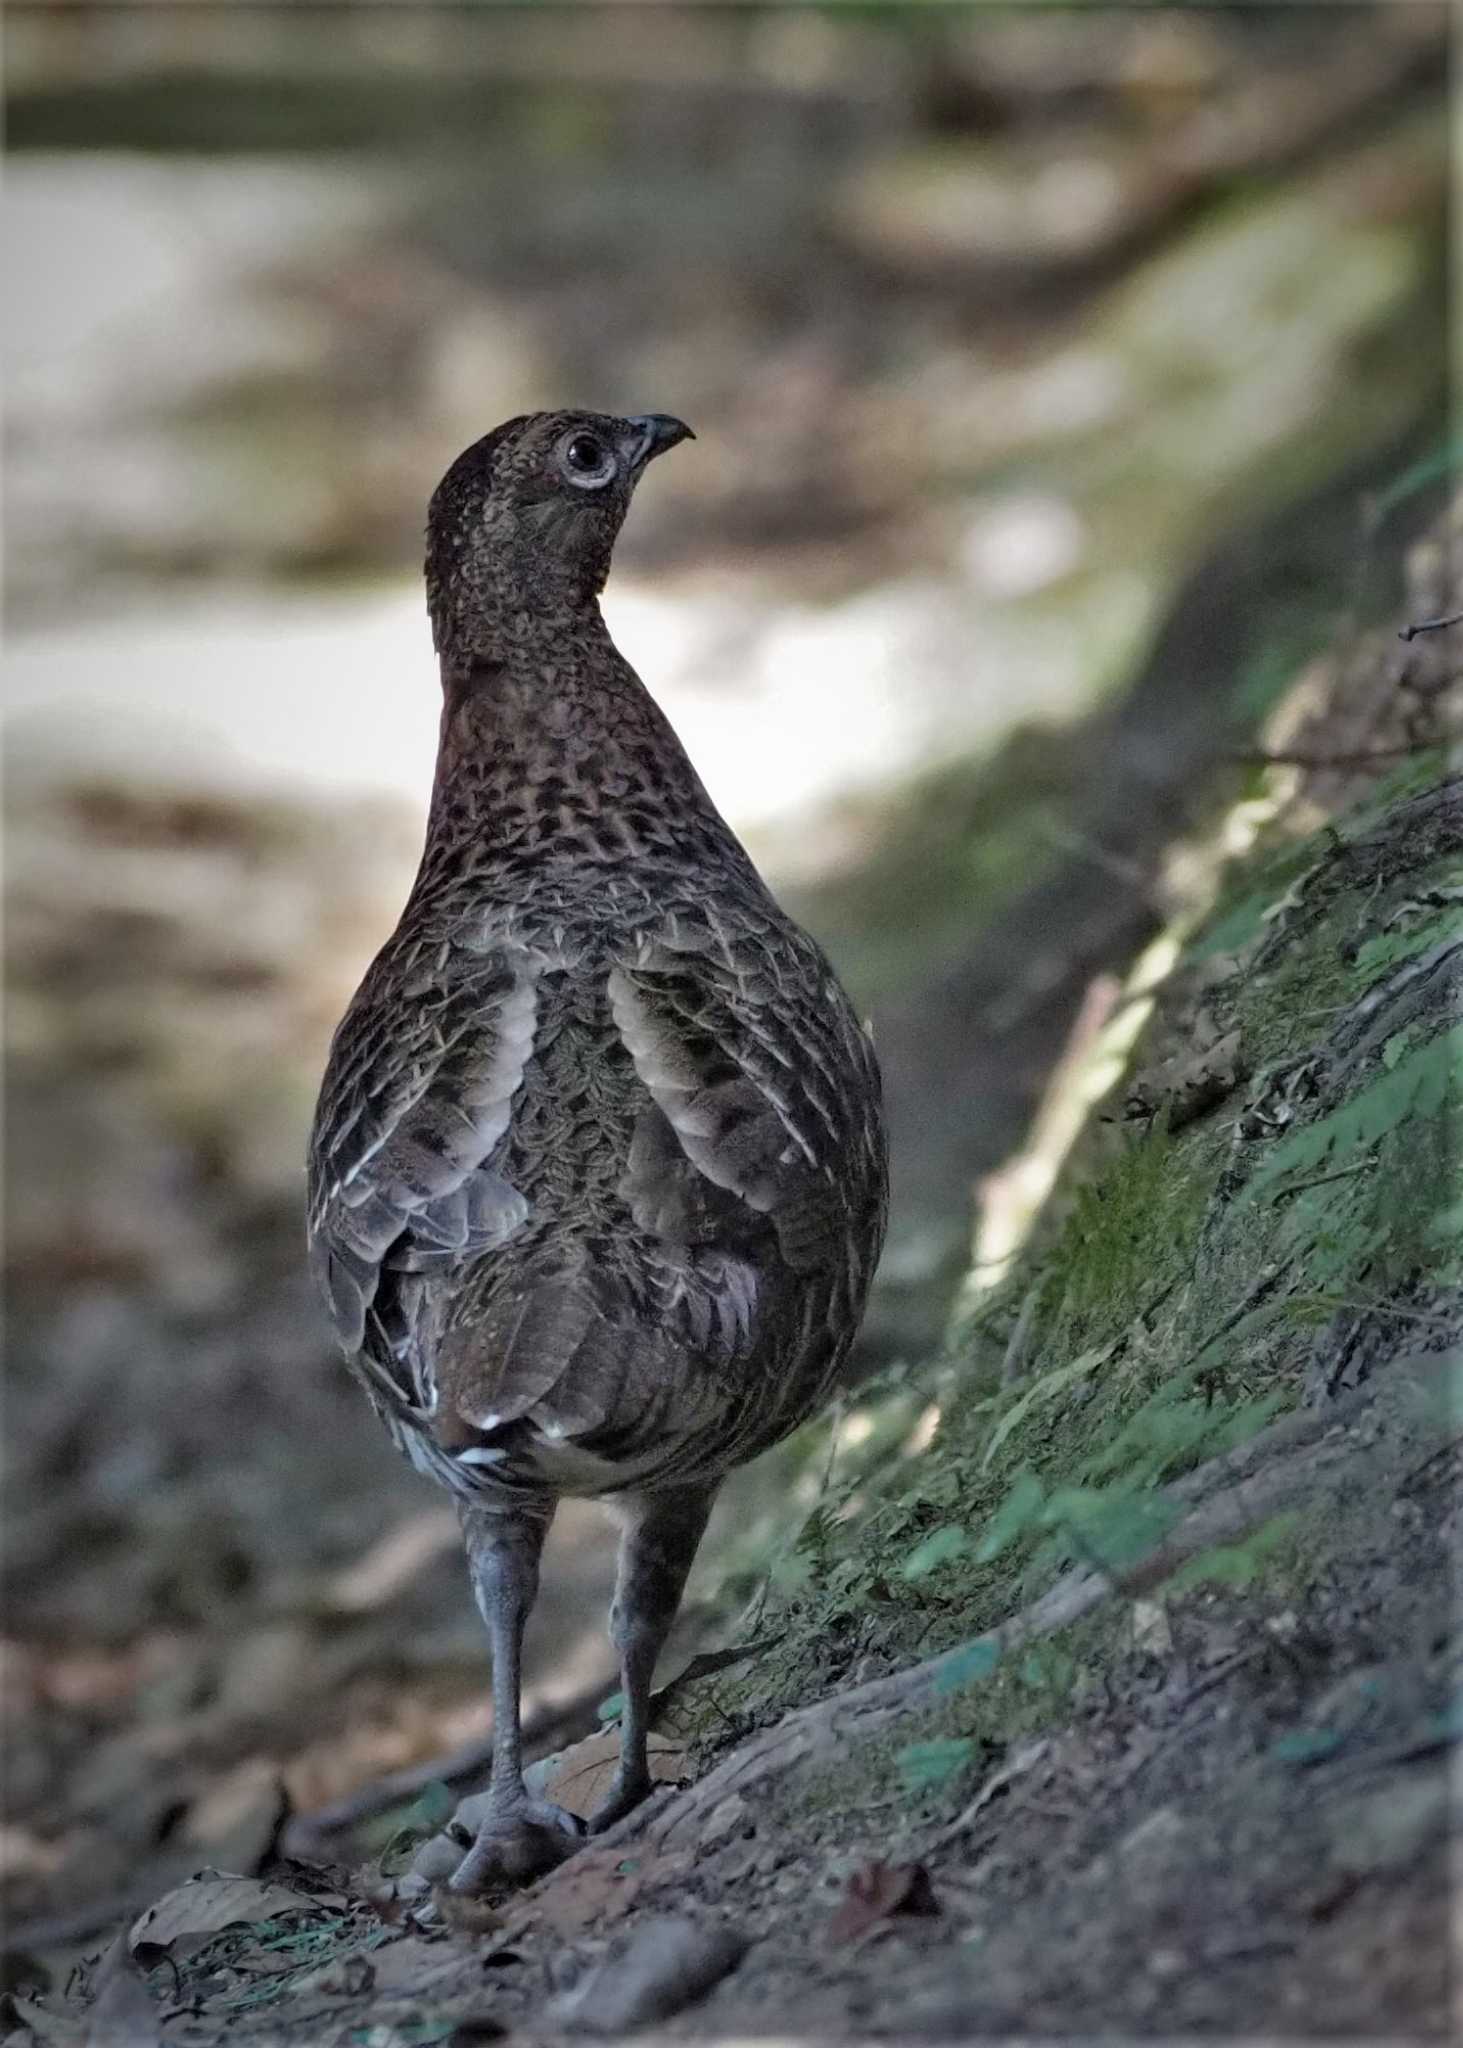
{"points": [[659, 1539], [517, 1836]]}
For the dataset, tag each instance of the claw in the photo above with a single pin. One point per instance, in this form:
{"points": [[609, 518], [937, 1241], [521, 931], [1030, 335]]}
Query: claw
{"points": [[518, 1844]]}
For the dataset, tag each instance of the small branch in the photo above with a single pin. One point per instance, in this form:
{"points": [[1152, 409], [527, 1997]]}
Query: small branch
{"points": [[1384, 1308], [1269, 1279], [1430, 626], [1014, 1362], [1321, 1180], [1297, 757]]}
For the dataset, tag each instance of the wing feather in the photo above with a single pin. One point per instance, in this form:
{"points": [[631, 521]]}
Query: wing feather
{"points": [[416, 1096], [735, 1059]]}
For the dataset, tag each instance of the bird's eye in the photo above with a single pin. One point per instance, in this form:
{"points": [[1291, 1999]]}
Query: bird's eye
{"points": [[587, 461]]}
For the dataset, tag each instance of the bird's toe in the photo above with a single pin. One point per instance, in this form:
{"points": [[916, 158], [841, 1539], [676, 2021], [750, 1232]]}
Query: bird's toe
{"points": [[624, 1795], [515, 1846]]}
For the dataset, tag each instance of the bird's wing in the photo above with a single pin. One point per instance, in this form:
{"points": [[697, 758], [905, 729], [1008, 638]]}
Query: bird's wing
{"points": [[416, 1095], [753, 1057]]}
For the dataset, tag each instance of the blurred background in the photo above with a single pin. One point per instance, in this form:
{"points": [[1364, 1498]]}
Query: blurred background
{"points": [[1062, 380]]}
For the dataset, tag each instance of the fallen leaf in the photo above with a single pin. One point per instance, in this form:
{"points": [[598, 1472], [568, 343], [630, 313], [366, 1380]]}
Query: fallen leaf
{"points": [[593, 1886], [213, 1900], [877, 1893], [123, 2008], [578, 1777], [1189, 1085], [597, 1886]]}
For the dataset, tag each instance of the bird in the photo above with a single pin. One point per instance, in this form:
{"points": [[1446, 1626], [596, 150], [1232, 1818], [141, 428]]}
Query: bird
{"points": [[597, 1180]]}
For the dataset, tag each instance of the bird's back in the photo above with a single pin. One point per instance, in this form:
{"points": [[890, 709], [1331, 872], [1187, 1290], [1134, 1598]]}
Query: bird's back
{"points": [[657, 1262], [597, 1178]]}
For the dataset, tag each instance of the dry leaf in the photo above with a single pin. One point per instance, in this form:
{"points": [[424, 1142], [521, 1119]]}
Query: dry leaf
{"points": [[579, 1777], [213, 1900], [1189, 1085], [875, 1894], [597, 1886], [593, 1886], [123, 2009]]}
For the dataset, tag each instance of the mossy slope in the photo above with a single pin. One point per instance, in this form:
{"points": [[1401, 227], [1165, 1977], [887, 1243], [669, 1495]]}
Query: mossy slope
{"points": [[1260, 1208]]}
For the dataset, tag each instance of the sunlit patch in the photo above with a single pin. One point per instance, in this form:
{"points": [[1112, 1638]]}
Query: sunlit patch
{"points": [[923, 1434], [1022, 543], [857, 1429]]}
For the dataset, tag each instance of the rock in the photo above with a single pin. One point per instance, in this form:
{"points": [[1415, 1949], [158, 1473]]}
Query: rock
{"points": [[668, 1964], [437, 1858]]}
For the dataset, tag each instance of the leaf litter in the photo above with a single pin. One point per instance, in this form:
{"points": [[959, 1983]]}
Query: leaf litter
{"points": [[876, 1894]]}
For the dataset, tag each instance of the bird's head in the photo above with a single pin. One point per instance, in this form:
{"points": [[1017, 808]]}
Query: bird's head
{"points": [[525, 519]]}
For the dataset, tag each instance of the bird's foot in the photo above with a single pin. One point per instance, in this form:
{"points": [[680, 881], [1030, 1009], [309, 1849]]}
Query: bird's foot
{"points": [[514, 1843], [624, 1795]]}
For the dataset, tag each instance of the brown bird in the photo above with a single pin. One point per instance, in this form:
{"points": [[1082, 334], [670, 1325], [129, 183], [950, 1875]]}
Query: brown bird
{"points": [[597, 1181]]}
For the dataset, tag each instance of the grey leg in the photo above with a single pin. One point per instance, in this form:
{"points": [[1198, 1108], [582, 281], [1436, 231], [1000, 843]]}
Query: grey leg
{"points": [[659, 1539], [517, 1837]]}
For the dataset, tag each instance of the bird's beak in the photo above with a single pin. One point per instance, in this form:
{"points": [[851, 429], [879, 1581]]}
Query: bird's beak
{"points": [[651, 434]]}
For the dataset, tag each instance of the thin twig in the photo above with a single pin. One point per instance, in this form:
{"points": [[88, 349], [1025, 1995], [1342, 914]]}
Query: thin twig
{"points": [[1320, 1180], [1430, 626], [1298, 757], [1014, 1362], [1268, 1280], [1383, 1308]]}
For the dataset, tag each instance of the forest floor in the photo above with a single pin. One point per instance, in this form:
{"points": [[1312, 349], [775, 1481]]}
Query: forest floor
{"points": [[1110, 1683]]}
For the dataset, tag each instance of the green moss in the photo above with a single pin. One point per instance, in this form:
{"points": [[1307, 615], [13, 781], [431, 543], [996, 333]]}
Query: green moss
{"points": [[929, 1760], [1238, 1565], [1125, 1232]]}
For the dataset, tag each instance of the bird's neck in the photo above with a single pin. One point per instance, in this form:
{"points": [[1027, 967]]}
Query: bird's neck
{"points": [[550, 741]]}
